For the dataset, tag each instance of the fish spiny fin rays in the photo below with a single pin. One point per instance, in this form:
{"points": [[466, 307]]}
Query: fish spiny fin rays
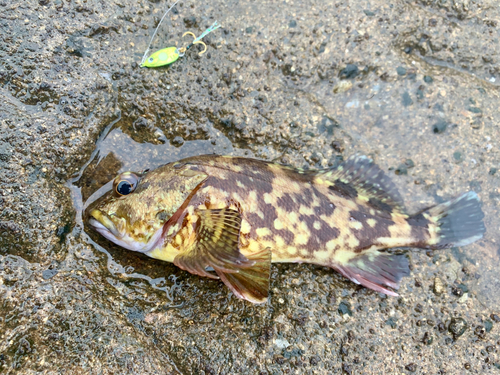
{"points": [[215, 244], [251, 283], [359, 177], [376, 270]]}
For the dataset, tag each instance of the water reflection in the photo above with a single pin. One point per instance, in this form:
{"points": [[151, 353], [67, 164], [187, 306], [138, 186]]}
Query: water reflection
{"points": [[121, 148]]}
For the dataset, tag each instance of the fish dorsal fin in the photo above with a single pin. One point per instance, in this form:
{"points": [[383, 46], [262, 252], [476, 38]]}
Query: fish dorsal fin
{"points": [[359, 177], [216, 244], [251, 283]]}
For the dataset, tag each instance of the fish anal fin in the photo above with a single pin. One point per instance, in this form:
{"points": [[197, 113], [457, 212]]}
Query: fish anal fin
{"points": [[251, 283], [376, 270], [359, 177]]}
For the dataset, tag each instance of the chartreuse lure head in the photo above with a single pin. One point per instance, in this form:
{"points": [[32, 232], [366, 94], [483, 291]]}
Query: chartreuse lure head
{"points": [[162, 57]]}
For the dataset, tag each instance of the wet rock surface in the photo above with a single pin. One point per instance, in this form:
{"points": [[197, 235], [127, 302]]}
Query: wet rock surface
{"points": [[302, 83]]}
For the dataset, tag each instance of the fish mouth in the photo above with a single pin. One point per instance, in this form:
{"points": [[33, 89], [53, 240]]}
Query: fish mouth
{"points": [[103, 224]]}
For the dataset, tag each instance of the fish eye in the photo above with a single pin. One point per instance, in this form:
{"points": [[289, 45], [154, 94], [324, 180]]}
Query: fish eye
{"points": [[151, 59], [125, 183]]}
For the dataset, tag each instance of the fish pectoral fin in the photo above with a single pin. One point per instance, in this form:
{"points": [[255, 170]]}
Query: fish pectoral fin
{"points": [[215, 244], [252, 283], [376, 270]]}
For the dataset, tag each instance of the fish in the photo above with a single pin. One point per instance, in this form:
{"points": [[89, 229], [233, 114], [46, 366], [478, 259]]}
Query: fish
{"points": [[229, 218]]}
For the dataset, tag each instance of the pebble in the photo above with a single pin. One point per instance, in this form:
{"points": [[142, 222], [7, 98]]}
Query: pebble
{"points": [[488, 325], [401, 170], [457, 155], [401, 71], [344, 309], [412, 367], [342, 86], [427, 339], [409, 163], [439, 127], [480, 332], [428, 79], [49, 274], [475, 110], [350, 71], [457, 327], [438, 287]]}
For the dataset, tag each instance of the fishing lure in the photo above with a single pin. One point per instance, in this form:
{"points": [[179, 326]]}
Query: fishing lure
{"points": [[169, 55]]}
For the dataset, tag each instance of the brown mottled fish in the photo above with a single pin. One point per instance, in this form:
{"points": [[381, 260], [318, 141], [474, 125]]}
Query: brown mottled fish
{"points": [[230, 217]]}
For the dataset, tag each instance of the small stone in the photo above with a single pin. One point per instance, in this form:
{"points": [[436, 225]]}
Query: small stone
{"points": [[412, 367], [401, 170], [475, 110], [438, 287], [292, 23], [346, 368], [344, 309], [467, 366], [342, 86], [369, 13], [350, 71], [428, 79], [480, 332], [492, 171], [49, 274], [488, 325], [419, 308], [407, 101], [409, 163], [391, 322], [401, 71], [441, 327], [457, 327], [314, 360], [495, 318], [439, 127], [427, 339], [457, 292], [457, 155]]}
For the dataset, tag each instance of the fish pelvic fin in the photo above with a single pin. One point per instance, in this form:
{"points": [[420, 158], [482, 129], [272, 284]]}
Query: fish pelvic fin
{"points": [[359, 177], [251, 283], [459, 222], [376, 270]]}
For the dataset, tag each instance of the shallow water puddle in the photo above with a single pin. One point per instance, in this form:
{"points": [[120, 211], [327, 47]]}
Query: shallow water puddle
{"points": [[119, 149]]}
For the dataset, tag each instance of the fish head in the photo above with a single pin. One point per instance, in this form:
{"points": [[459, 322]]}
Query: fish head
{"points": [[162, 57], [134, 212]]}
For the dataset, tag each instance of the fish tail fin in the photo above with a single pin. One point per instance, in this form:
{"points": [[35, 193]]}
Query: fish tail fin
{"points": [[376, 270], [459, 221]]}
